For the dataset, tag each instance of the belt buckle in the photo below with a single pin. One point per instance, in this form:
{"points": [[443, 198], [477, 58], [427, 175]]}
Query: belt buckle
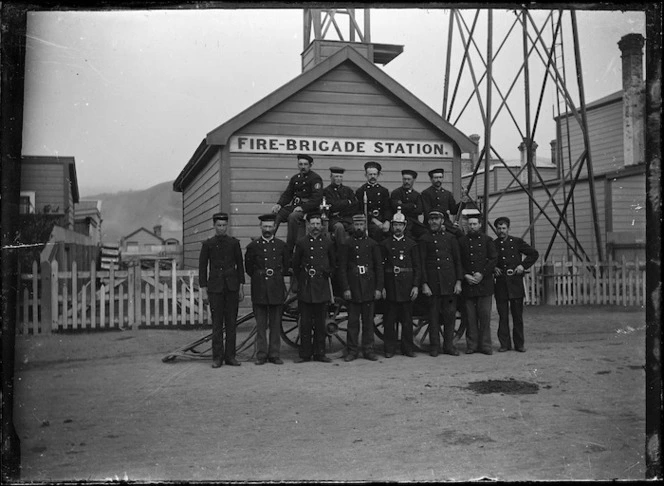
{"points": [[269, 272], [362, 269], [510, 272], [312, 272], [397, 270], [375, 213]]}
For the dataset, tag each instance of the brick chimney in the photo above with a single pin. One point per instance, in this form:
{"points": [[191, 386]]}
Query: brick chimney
{"points": [[524, 159], [631, 46], [157, 230]]}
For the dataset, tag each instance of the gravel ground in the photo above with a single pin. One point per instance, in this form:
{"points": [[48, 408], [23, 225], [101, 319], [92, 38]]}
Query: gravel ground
{"points": [[105, 406]]}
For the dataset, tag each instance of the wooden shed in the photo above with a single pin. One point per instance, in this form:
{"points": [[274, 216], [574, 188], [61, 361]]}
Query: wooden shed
{"points": [[344, 111]]}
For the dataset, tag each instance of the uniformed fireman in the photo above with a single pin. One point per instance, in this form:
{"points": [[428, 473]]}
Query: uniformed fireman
{"points": [[478, 258], [374, 201], [437, 197], [410, 202], [343, 205], [302, 196], [361, 281], [515, 256], [266, 261], [441, 281], [221, 276], [401, 262], [314, 263]]}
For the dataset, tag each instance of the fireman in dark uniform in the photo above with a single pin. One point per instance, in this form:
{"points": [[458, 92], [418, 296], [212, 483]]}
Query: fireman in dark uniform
{"points": [[267, 261], [374, 201], [401, 261], [343, 205], [509, 292], [361, 280], [314, 261], [436, 197], [441, 281], [222, 287], [302, 196], [478, 258], [410, 202]]}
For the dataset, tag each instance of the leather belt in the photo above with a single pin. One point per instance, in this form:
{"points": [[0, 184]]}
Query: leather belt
{"points": [[398, 270]]}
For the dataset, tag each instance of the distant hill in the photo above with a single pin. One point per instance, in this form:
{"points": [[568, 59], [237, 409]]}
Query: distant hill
{"points": [[125, 212]]}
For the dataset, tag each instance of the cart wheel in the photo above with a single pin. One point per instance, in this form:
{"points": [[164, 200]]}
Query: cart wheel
{"points": [[245, 329], [420, 331], [168, 358], [336, 325]]}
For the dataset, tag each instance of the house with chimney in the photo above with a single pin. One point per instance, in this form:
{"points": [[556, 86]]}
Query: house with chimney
{"points": [[616, 126], [145, 245]]}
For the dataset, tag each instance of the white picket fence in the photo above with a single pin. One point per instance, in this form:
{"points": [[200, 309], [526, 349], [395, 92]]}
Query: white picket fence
{"points": [[50, 300], [54, 301]]}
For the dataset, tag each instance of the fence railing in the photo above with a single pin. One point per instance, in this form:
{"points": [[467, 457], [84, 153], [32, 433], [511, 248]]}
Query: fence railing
{"points": [[53, 301]]}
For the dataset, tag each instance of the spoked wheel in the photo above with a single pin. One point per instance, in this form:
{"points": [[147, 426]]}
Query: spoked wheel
{"points": [[421, 338], [336, 325], [246, 335]]}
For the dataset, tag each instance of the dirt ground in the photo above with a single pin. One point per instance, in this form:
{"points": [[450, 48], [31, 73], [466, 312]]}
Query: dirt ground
{"points": [[105, 406]]}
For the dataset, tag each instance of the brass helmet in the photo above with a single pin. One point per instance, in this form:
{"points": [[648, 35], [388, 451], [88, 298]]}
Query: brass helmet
{"points": [[398, 217]]}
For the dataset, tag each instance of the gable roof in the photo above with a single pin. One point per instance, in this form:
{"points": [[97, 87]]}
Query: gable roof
{"points": [[220, 135], [138, 231]]}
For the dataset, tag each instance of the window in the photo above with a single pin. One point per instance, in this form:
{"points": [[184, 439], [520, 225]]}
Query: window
{"points": [[27, 202]]}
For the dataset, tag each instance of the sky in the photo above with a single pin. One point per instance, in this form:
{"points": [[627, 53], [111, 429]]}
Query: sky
{"points": [[131, 94]]}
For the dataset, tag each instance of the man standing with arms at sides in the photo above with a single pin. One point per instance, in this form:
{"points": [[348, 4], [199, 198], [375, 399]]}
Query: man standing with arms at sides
{"points": [[222, 287], [302, 196], [267, 261], [478, 258], [410, 202], [436, 197], [361, 279], [401, 261], [313, 265], [441, 281], [343, 204], [374, 200], [509, 283]]}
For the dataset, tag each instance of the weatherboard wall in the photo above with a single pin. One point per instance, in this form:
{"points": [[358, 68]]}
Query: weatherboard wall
{"points": [[344, 103], [200, 200]]}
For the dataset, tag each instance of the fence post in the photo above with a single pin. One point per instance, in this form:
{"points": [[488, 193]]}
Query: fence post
{"points": [[548, 284], [137, 296], [55, 290], [130, 296], [45, 297]]}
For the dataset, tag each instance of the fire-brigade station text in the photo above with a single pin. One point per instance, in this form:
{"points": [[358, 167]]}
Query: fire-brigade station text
{"points": [[337, 146]]}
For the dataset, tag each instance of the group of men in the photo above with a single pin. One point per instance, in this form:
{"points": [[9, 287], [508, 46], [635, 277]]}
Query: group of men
{"points": [[376, 249]]}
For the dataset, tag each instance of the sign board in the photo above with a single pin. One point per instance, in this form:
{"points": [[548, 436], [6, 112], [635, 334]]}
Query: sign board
{"points": [[268, 144]]}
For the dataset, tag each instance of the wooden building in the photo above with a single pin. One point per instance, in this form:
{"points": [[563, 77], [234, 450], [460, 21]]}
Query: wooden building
{"points": [[143, 244], [49, 186], [616, 125], [342, 110]]}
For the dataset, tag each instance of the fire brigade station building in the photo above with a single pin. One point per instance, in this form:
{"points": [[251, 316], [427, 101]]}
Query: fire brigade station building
{"points": [[343, 110]]}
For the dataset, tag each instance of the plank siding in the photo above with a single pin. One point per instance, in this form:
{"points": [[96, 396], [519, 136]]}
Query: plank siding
{"points": [[201, 199], [47, 181], [606, 138], [628, 204]]}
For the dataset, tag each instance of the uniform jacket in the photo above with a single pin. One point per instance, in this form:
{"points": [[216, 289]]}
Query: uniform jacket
{"points": [[442, 199], [441, 262], [478, 254], [303, 190], [314, 260], [404, 255], [410, 202], [266, 262], [342, 201], [360, 268], [510, 251], [222, 255], [378, 201]]}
